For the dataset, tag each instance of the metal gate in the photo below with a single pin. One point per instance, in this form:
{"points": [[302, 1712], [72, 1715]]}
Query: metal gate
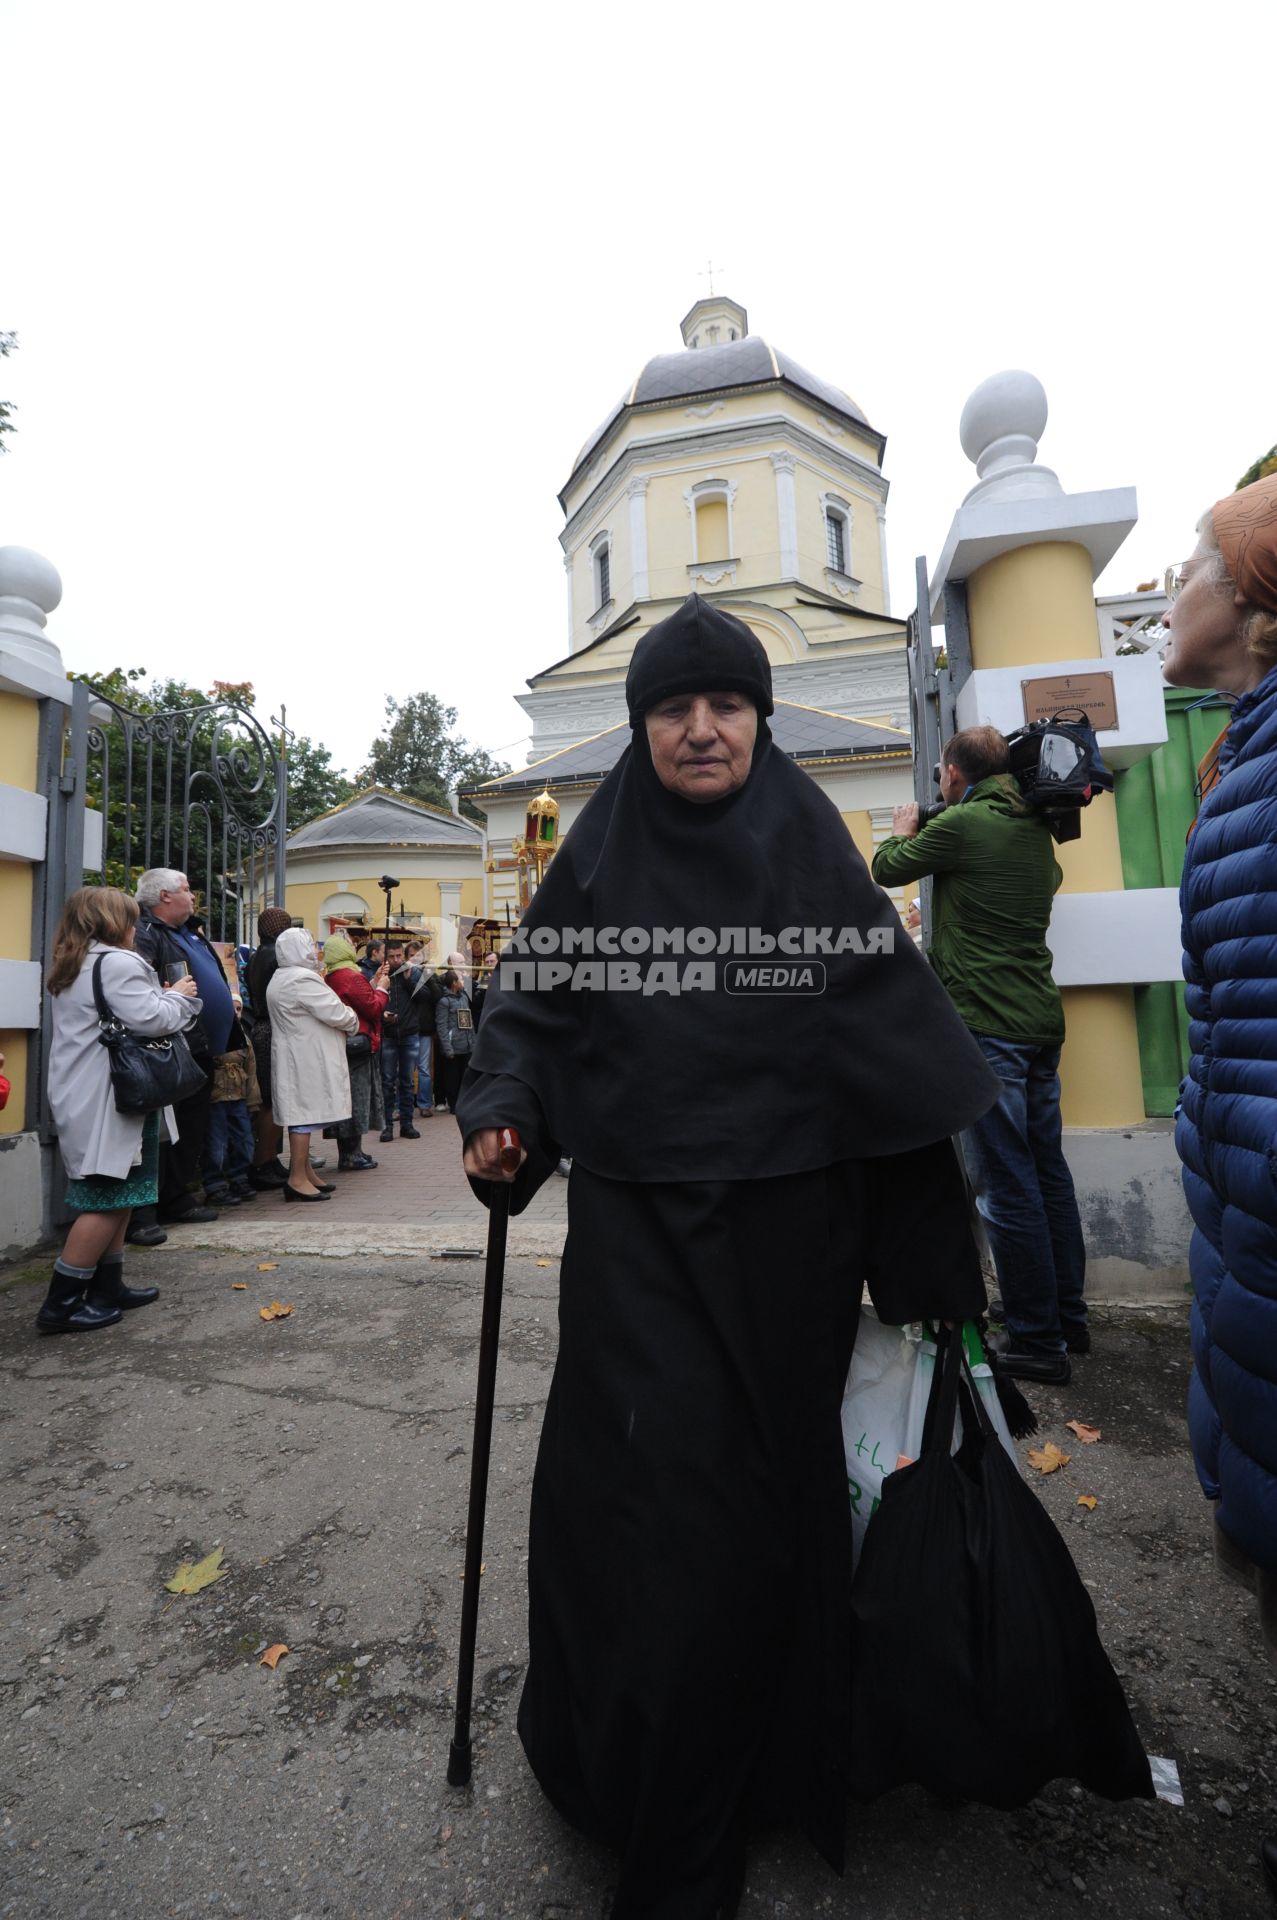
{"points": [[935, 682], [200, 788]]}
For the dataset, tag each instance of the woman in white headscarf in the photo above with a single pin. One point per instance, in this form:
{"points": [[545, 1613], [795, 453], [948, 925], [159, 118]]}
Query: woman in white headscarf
{"points": [[309, 1077]]}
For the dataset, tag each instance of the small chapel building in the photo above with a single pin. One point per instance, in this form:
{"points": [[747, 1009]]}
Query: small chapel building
{"points": [[724, 469]]}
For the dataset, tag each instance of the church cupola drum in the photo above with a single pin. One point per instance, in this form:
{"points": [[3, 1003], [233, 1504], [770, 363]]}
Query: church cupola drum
{"points": [[727, 469]]}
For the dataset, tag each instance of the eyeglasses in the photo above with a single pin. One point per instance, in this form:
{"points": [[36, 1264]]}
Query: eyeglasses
{"points": [[1173, 580]]}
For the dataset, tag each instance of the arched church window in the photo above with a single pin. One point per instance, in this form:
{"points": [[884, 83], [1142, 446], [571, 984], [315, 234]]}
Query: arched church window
{"points": [[710, 505], [837, 537], [601, 554]]}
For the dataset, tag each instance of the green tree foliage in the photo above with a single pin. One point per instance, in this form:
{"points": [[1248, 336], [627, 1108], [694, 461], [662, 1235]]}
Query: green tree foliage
{"points": [[315, 785], [1265, 465], [419, 756], [8, 341]]}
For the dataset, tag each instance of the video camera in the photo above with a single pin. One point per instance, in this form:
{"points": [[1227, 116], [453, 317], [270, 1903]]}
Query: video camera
{"points": [[1057, 766]]}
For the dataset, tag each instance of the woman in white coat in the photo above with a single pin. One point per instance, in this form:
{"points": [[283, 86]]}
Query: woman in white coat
{"points": [[310, 1082], [112, 1158]]}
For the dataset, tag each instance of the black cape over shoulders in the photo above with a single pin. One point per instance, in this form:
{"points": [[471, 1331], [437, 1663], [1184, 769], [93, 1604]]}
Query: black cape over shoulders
{"points": [[712, 1082]]}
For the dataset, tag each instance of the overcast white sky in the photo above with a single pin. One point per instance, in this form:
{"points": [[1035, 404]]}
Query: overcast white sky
{"points": [[316, 302]]}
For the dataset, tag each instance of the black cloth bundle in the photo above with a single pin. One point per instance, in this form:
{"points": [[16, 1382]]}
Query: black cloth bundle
{"points": [[977, 1668]]}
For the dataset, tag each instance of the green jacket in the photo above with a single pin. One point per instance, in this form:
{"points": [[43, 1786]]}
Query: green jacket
{"points": [[996, 876]]}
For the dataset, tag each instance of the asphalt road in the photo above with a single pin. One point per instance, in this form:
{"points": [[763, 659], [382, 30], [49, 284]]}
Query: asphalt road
{"points": [[151, 1766]]}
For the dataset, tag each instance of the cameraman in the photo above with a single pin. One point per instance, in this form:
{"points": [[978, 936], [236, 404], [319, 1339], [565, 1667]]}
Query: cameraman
{"points": [[996, 876]]}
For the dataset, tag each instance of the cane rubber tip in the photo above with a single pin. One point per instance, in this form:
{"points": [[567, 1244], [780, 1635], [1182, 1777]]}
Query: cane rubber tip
{"points": [[459, 1765]]}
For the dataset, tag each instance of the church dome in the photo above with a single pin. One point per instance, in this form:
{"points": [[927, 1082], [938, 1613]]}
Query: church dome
{"points": [[708, 368]]}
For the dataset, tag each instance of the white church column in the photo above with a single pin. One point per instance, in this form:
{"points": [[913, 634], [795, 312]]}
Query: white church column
{"points": [[637, 491], [449, 913], [567, 571], [786, 514], [882, 548]]}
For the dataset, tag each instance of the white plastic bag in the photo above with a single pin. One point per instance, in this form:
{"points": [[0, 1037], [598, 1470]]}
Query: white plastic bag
{"points": [[884, 1406], [875, 1413]]}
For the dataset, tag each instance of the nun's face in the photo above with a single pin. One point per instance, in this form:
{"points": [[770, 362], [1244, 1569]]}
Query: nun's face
{"points": [[702, 744]]}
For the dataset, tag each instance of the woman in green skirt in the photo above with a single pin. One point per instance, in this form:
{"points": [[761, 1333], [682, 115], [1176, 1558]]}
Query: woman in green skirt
{"points": [[112, 1158]]}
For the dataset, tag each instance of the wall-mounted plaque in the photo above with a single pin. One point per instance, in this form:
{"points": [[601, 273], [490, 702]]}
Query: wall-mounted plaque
{"points": [[1094, 693]]}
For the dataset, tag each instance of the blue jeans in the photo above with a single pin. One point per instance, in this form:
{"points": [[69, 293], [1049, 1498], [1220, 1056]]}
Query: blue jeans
{"points": [[228, 1145], [399, 1056], [1024, 1191]]}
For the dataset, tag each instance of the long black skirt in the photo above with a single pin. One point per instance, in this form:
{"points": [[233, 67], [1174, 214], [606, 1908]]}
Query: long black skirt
{"points": [[690, 1559]]}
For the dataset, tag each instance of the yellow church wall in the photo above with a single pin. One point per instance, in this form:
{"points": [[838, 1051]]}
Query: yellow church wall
{"points": [[304, 899], [860, 827], [711, 530]]}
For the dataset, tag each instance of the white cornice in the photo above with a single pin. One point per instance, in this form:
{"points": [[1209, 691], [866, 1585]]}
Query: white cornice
{"points": [[696, 446]]}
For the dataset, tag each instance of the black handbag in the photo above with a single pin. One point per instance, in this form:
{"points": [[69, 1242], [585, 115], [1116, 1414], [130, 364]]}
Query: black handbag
{"points": [[358, 1046], [977, 1668], [146, 1073]]}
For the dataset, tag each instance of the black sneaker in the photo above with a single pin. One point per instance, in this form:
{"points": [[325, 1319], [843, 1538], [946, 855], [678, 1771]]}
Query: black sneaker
{"points": [[387, 1133], [407, 1131], [1077, 1339]]}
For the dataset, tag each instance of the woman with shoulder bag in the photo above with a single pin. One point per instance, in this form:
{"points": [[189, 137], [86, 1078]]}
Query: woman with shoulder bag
{"points": [[112, 1158]]}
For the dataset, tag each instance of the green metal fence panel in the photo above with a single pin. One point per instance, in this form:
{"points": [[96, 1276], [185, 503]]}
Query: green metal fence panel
{"points": [[1156, 802]]}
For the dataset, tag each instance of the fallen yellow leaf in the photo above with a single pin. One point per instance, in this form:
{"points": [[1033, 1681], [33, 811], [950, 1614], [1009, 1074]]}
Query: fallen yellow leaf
{"points": [[267, 1266], [193, 1576], [1048, 1459], [1088, 1501], [1087, 1435], [239, 1286], [276, 1310], [545, 1263], [273, 1655]]}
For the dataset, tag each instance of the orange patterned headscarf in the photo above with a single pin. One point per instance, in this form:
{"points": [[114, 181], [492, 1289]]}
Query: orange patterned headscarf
{"points": [[1245, 526]]}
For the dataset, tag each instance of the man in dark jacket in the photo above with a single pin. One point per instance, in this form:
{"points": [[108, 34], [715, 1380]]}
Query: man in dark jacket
{"points": [[996, 876], [166, 937], [401, 1040]]}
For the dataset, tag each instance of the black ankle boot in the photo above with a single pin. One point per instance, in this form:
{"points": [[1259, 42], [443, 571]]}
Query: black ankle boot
{"points": [[107, 1289], [66, 1310]]}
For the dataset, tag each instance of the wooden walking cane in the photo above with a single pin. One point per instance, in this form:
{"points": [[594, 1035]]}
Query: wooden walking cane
{"points": [[485, 1397]]}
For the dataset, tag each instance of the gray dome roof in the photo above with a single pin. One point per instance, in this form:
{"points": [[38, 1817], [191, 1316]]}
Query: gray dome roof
{"points": [[696, 371]]}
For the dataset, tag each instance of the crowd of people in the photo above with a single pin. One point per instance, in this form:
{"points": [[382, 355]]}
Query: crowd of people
{"points": [[297, 1044]]}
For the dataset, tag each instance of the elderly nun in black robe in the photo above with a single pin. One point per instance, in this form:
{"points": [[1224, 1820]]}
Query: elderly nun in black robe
{"points": [[746, 1155]]}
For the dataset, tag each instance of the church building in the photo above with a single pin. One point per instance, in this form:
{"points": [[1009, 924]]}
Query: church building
{"points": [[725, 469]]}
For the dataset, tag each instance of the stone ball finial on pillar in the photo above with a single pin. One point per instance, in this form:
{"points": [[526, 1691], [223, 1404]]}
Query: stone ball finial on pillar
{"points": [[1001, 425], [30, 589]]}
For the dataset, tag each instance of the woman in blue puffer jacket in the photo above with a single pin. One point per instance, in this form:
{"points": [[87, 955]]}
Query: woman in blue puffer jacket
{"points": [[1223, 622]]}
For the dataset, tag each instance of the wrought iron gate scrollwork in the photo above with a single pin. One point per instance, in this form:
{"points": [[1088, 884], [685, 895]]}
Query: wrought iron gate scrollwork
{"points": [[198, 788]]}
